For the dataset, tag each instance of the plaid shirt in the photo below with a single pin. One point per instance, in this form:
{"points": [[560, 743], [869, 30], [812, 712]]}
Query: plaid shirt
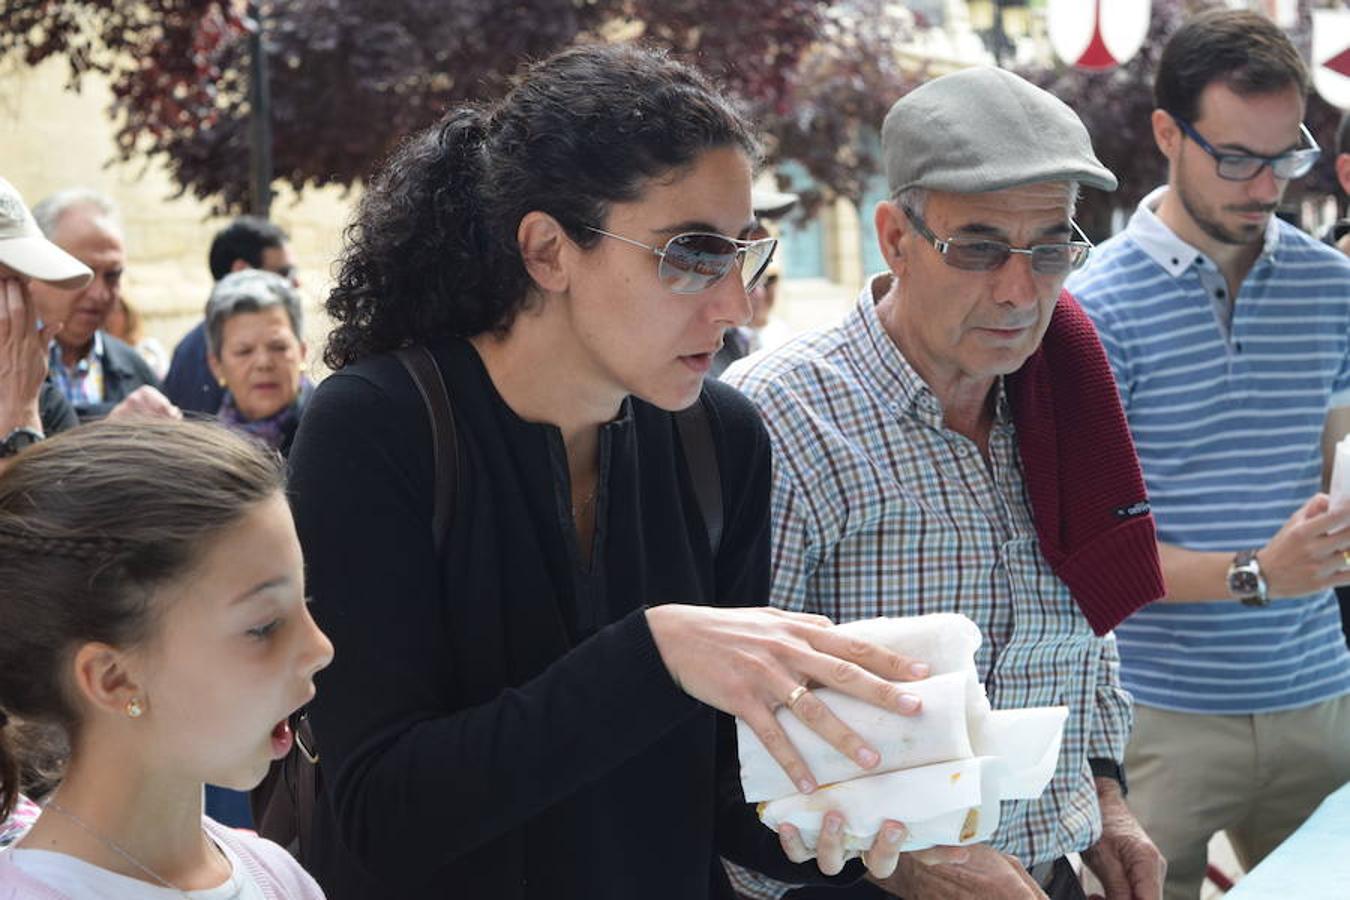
{"points": [[82, 384], [879, 510]]}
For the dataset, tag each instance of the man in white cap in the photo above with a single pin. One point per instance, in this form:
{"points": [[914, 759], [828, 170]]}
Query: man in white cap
{"points": [[30, 408], [99, 374], [956, 445]]}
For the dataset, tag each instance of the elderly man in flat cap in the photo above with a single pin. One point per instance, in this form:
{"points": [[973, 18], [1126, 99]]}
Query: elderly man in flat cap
{"points": [[957, 445], [30, 407]]}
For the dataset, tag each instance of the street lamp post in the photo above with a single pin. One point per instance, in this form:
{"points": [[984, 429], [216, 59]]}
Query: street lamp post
{"points": [[260, 119]]}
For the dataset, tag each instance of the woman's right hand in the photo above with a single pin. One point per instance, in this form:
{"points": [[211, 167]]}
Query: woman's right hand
{"points": [[749, 662]]}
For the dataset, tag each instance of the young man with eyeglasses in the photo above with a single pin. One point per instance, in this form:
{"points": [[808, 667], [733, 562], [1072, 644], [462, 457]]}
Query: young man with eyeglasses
{"points": [[910, 441], [1229, 332]]}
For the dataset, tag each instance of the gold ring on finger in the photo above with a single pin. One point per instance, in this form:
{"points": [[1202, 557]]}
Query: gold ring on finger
{"points": [[797, 693], [1345, 557]]}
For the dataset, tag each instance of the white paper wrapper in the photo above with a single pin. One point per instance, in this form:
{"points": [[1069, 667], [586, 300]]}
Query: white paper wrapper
{"points": [[946, 641], [938, 733], [944, 803], [943, 772], [1340, 475], [1023, 746]]}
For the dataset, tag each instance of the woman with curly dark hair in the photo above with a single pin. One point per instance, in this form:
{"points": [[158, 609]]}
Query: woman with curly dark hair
{"points": [[535, 711]]}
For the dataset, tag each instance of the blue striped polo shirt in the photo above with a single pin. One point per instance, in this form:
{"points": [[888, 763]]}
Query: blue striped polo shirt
{"points": [[1226, 405]]}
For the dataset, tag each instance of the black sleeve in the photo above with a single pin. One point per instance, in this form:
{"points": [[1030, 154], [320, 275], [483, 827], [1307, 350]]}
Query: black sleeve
{"points": [[55, 410], [414, 780], [189, 384], [743, 580]]}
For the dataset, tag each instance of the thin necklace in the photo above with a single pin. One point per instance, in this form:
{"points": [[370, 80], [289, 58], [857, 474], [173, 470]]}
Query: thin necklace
{"points": [[111, 845], [585, 503]]}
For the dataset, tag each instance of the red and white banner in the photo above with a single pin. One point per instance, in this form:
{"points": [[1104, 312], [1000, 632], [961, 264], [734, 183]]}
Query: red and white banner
{"points": [[1097, 35], [1331, 55], [1283, 13]]}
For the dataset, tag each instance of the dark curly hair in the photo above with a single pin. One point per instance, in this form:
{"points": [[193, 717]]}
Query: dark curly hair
{"points": [[432, 250]]}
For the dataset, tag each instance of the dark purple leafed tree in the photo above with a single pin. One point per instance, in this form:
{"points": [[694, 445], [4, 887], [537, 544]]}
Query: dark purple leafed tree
{"points": [[350, 78], [829, 116]]}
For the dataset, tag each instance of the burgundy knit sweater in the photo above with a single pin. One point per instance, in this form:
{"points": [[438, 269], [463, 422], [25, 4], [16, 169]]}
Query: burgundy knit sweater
{"points": [[1087, 493]]}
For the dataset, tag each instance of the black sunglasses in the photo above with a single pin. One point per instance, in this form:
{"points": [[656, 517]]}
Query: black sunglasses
{"points": [[984, 255]]}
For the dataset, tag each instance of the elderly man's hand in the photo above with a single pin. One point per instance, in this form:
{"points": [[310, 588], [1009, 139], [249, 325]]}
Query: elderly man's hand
{"points": [[23, 357], [959, 873], [146, 401], [1125, 861], [829, 853]]}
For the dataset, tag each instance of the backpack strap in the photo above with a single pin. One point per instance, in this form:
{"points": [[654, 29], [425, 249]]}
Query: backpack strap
{"points": [[291, 802], [700, 455], [426, 374]]}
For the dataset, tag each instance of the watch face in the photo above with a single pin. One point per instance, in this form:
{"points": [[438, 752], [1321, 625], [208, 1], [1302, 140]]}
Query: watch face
{"points": [[1244, 582], [21, 439]]}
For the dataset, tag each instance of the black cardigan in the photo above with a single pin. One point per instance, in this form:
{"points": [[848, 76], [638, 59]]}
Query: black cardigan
{"points": [[502, 725]]}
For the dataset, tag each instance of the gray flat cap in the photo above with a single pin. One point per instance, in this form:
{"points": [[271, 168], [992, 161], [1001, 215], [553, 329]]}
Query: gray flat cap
{"points": [[985, 129]]}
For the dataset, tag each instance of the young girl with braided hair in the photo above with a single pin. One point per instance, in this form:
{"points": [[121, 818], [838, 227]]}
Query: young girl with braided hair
{"points": [[152, 615]]}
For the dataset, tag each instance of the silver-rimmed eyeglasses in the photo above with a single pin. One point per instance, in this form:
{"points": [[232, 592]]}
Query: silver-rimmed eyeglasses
{"points": [[984, 255], [696, 260]]}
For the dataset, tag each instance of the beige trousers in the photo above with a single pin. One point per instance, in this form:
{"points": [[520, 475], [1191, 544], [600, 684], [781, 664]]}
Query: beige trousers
{"points": [[1256, 777]]}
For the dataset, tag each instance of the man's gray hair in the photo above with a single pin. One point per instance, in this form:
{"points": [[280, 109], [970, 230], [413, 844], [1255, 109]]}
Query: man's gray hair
{"points": [[49, 210], [915, 199], [249, 291]]}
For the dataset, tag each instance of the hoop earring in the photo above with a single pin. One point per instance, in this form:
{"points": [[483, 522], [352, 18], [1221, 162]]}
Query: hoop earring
{"points": [[134, 709]]}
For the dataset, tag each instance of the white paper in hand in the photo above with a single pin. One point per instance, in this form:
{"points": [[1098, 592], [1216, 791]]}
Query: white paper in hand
{"points": [[943, 772], [938, 733], [1340, 476]]}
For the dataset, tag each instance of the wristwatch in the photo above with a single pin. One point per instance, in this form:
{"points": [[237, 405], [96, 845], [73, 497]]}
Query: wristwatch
{"points": [[1103, 767], [1245, 581], [19, 439]]}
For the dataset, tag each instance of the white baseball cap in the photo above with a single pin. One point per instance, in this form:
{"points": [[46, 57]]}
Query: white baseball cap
{"points": [[25, 249]]}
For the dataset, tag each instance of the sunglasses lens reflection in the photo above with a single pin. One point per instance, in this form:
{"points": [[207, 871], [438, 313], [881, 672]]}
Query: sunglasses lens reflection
{"points": [[757, 259], [694, 262]]}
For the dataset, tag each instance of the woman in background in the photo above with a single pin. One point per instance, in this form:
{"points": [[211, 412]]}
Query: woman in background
{"points": [[256, 349]]}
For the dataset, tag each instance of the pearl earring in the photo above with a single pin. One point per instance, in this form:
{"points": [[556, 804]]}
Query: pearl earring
{"points": [[134, 708]]}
